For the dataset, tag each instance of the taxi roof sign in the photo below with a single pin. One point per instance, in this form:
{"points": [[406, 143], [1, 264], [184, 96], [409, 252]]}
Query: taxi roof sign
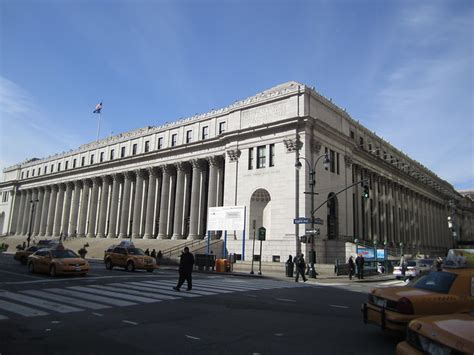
{"points": [[459, 258]]}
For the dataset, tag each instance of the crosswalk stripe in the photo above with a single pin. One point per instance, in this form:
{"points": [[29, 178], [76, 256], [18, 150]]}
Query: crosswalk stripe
{"points": [[91, 297], [202, 293], [245, 284], [118, 288], [73, 301], [113, 294], [167, 290], [226, 286], [22, 310], [147, 289], [40, 303]]}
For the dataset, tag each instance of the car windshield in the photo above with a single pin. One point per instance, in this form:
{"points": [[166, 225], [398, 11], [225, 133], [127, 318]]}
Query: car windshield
{"points": [[436, 281], [63, 254], [411, 263], [135, 251], [426, 261]]}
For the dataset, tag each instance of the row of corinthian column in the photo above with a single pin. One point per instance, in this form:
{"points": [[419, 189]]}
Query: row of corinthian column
{"points": [[164, 202]]}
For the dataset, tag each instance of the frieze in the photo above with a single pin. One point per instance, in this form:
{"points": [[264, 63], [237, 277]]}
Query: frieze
{"points": [[292, 144], [234, 155]]}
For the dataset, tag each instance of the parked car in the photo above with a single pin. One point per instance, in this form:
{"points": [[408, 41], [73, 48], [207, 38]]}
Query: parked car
{"points": [[447, 334], [126, 255], [433, 293], [22, 255], [57, 261], [414, 268]]}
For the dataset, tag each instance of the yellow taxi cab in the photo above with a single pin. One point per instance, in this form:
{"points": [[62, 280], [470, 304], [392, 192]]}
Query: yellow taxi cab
{"points": [[22, 255], [448, 291], [128, 256], [57, 261], [446, 334]]}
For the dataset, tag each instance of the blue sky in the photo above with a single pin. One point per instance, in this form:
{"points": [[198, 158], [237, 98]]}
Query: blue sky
{"points": [[404, 69]]}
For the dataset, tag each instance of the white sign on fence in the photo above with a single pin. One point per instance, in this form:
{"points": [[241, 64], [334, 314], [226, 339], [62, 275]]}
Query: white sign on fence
{"points": [[226, 218]]}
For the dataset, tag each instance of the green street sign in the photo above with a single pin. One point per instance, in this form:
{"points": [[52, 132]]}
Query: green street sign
{"points": [[261, 233]]}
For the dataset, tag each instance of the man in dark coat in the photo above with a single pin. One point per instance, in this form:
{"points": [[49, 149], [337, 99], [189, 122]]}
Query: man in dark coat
{"points": [[360, 266], [300, 267], [186, 263], [351, 267]]}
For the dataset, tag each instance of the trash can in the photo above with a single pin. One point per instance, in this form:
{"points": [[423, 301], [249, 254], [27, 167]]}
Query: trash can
{"points": [[221, 265], [289, 269]]}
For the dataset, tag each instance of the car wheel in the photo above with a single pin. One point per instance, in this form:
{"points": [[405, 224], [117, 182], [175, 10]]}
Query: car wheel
{"points": [[31, 267], [108, 264], [130, 266], [52, 271]]}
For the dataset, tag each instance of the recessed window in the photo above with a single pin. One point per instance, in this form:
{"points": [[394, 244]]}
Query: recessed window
{"points": [[370, 147], [271, 161], [66, 164], [112, 154], [92, 159], [261, 156], [332, 156], [22, 174], [221, 127], [352, 134], [134, 149], [189, 136], [45, 170], [147, 146], [122, 152], [32, 172], [59, 166], [361, 142], [39, 171], [160, 143], [83, 161], [205, 132], [174, 139], [250, 159], [101, 159], [27, 173], [385, 155], [51, 168], [74, 163], [337, 163]]}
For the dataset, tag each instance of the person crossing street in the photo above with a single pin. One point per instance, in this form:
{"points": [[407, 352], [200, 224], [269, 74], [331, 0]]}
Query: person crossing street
{"points": [[186, 263]]}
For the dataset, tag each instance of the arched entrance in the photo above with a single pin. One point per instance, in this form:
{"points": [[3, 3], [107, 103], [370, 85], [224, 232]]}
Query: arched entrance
{"points": [[260, 212], [332, 219]]}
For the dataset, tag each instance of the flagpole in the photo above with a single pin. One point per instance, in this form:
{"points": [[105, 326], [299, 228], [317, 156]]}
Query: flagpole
{"points": [[98, 127]]}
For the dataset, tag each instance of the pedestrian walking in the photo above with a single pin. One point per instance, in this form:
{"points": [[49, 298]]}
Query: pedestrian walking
{"points": [[289, 266], [159, 255], [439, 264], [153, 254], [147, 252], [300, 267], [351, 267], [360, 266], [403, 266], [186, 263]]}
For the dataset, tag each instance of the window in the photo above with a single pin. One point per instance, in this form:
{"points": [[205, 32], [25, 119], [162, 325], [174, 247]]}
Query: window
{"points": [[27, 173], [250, 158], [352, 134], [134, 149], [74, 163], [83, 161], [332, 156], [101, 157], [189, 136], [51, 168], [147, 146], [59, 166], [66, 164], [326, 151], [39, 171], [22, 174], [44, 170], [361, 142], [160, 143], [92, 159], [271, 161], [122, 152], [370, 147], [174, 139], [112, 154], [337, 163], [205, 132], [261, 156], [221, 127], [385, 155], [32, 172]]}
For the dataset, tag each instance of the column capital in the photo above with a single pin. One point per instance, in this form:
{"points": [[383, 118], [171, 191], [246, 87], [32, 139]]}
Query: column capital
{"points": [[70, 184], [215, 160], [234, 154], [168, 169], [141, 173], [182, 166], [128, 175], [197, 164], [117, 177], [87, 182], [96, 180], [106, 179], [153, 171], [77, 184], [54, 188], [62, 186]]}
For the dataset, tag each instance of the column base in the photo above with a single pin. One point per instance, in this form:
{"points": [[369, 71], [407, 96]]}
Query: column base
{"points": [[137, 236], [148, 236], [162, 236], [90, 235], [100, 235], [123, 236], [111, 236], [177, 237], [193, 237]]}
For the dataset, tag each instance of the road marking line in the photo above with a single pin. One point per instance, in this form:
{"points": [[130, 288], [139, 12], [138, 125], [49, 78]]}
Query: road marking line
{"points": [[22, 310], [89, 297], [285, 299], [40, 303], [73, 301], [41, 280], [337, 306], [97, 314], [119, 288], [129, 322], [253, 296], [114, 294], [279, 334], [21, 274], [191, 337], [148, 292], [165, 289], [202, 293]]}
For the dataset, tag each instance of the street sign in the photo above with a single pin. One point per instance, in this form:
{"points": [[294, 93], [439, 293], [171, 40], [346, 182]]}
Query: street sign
{"points": [[318, 221], [312, 231], [302, 220], [261, 233]]}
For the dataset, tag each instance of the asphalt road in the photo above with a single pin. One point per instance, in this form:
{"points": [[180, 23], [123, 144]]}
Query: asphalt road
{"points": [[116, 312]]}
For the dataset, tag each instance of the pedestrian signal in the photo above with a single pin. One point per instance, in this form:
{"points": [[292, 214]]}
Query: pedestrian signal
{"points": [[365, 185]]}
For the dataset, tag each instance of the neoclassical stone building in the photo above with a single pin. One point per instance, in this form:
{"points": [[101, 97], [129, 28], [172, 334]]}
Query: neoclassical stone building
{"points": [[158, 182]]}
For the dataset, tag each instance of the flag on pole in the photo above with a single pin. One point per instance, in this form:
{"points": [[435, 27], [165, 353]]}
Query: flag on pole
{"points": [[98, 107]]}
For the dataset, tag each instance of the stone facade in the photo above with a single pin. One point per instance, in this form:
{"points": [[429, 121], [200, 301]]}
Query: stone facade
{"points": [[158, 182]]}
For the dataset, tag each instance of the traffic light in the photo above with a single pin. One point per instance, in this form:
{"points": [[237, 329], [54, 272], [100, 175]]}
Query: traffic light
{"points": [[365, 185], [450, 222]]}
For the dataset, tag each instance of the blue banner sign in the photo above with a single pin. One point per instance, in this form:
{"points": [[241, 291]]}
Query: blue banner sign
{"points": [[368, 253]]}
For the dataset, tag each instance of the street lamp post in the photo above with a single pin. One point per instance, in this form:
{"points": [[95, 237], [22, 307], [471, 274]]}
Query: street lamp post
{"points": [[33, 207], [312, 184]]}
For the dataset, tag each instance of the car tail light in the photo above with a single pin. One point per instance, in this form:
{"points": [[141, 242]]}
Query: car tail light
{"points": [[405, 306]]}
